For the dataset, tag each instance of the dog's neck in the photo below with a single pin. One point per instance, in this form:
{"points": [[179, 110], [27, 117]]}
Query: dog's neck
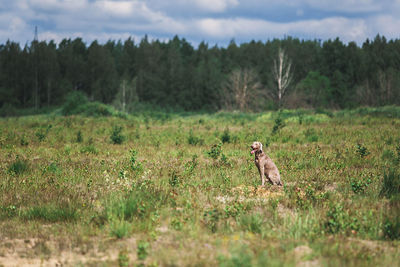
{"points": [[258, 153]]}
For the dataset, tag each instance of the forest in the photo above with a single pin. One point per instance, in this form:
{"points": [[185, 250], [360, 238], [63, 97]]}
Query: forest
{"points": [[175, 75]]}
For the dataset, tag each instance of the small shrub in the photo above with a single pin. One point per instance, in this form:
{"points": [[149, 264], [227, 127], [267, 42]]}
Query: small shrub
{"points": [[215, 151], [135, 165], [362, 151], [79, 138], [18, 167], [226, 137], [391, 227], [390, 183], [358, 186], [116, 136], [279, 124], [142, 250], [23, 141]]}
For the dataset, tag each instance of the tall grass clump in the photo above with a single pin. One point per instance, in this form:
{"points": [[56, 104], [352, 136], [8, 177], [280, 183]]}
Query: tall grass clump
{"points": [[51, 213], [18, 167], [391, 183]]}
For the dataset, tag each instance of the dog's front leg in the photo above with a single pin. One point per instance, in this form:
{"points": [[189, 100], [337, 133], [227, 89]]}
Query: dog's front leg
{"points": [[262, 176]]}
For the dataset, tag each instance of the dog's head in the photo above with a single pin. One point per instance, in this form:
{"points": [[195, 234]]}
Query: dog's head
{"points": [[256, 146]]}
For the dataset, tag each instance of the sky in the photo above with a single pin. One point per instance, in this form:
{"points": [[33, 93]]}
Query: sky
{"points": [[212, 21]]}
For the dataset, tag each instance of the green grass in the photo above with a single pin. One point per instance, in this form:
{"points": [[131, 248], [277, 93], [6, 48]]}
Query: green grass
{"points": [[181, 189]]}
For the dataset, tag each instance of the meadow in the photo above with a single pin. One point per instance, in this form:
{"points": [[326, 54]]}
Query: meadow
{"points": [[181, 189]]}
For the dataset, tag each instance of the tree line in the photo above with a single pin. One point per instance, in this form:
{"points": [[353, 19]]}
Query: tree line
{"points": [[176, 75]]}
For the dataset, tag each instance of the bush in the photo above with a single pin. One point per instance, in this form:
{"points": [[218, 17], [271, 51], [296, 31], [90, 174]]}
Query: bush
{"points": [[360, 185], [279, 124], [79, 138], [391, 228], [226, 137], [215, 151], [73, 101], [94, 109], [362, 151], [116, 136]]}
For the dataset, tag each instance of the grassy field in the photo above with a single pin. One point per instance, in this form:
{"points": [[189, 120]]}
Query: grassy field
{"points": [[160, 189]]}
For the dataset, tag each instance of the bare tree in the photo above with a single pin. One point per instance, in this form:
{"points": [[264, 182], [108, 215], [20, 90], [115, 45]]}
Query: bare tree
{"points": [[240, 90], [126, 94], [282, 72]]}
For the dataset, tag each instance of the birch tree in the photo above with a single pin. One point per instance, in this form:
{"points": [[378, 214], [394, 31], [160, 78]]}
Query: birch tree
{"points": [[282, 72], [126, 94]]}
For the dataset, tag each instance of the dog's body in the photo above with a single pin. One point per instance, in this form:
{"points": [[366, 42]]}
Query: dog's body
{"points": [[266, 167]]}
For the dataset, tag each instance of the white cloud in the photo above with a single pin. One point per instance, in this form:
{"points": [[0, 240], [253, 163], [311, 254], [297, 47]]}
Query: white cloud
{"points": [[123, 8], [262, 29], [347, 6], [216, 5]]}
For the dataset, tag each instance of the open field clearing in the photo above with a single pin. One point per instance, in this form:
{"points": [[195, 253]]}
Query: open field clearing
{"points": [[182, 190]]}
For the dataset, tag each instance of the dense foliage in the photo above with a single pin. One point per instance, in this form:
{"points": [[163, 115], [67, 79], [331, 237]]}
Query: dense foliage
{"points": [[176, 75]]}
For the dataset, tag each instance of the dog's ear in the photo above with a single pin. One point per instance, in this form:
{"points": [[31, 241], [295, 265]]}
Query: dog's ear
{"points": [[261, 147]]}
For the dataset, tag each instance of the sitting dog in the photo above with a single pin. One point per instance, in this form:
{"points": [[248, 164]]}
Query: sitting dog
{"points": [[266, 167]]}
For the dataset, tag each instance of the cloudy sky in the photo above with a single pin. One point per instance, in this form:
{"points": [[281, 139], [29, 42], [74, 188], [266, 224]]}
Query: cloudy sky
{"points": [[213, 21]]}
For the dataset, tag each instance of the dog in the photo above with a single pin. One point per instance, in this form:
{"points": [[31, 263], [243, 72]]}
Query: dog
{"points": [[266, 167]]}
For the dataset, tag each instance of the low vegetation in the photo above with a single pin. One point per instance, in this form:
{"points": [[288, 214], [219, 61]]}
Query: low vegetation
{"points": [[157, 189]]}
